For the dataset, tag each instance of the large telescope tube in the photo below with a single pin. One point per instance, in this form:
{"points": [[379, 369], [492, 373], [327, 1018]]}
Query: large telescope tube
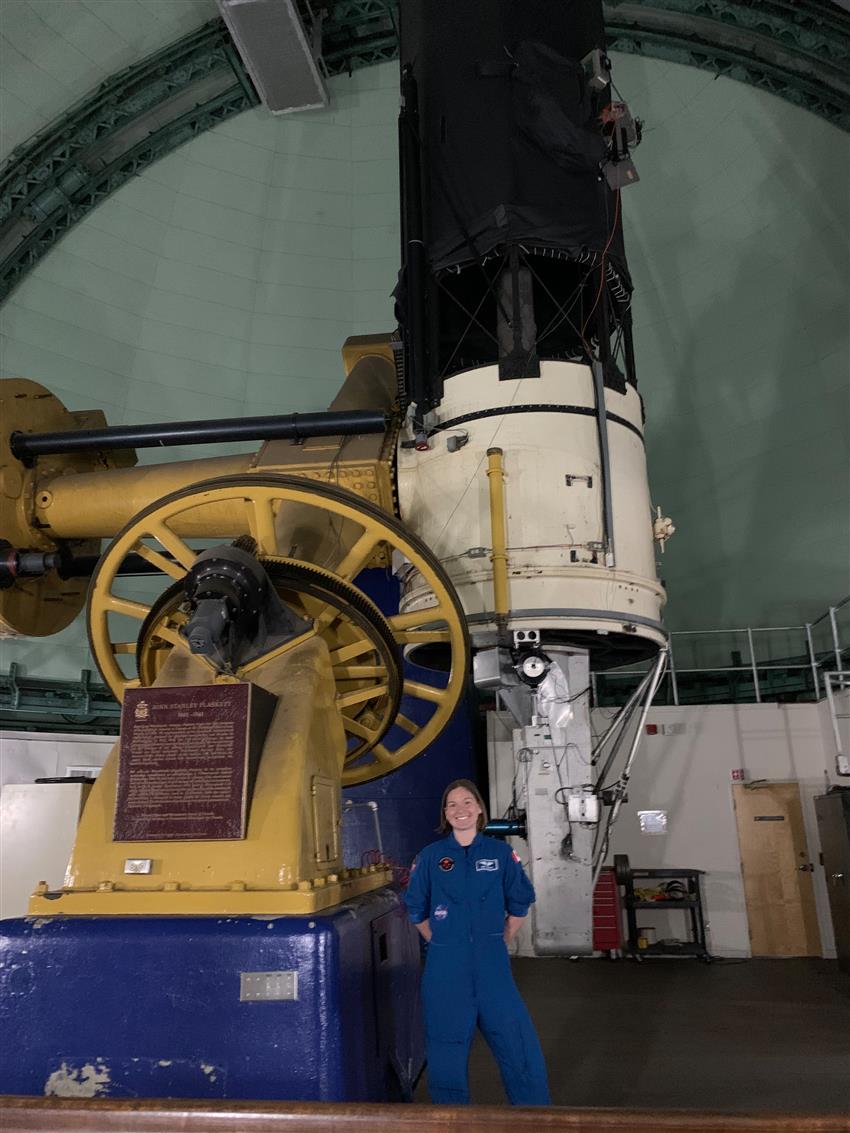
{"points": [[514, 263]]}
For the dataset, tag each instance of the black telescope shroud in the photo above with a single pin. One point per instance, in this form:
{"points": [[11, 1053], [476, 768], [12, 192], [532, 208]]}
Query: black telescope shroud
{"points": [[512, 243]]}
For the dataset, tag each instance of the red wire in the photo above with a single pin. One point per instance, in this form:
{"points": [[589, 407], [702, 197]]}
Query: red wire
{"points": [[401, 873], [602, 268]]}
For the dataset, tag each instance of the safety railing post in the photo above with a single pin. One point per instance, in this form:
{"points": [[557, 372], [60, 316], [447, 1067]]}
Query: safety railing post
{"points": [[754, 665], [833, 712], [673, 682], [813, 661], [836, 644]]}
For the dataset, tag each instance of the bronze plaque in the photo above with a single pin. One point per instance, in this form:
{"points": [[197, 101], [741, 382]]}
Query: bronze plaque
{"points": [[187, 761]]}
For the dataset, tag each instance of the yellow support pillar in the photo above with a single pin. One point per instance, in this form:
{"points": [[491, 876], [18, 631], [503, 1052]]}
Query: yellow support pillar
{"points": [[498, 531]]}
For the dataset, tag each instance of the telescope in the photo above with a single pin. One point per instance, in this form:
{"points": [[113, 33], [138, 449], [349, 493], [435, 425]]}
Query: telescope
{"points": [[488, 455]]}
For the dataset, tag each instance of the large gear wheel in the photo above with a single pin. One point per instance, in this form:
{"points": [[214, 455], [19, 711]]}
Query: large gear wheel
{"points": [[370, 692], [389, 717]]}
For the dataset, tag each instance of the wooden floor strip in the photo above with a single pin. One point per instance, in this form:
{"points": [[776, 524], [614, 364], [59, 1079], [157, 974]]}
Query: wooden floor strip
{"points": [[103, 1115]]}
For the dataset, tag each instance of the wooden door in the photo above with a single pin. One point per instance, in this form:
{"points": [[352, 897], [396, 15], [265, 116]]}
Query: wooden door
{"points": [[777, 870]]}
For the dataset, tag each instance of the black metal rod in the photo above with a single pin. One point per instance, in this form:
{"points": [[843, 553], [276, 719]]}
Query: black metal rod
{"points": [[506, 828], [598, 372], [289, 426], [604, 462], [83, 566], [628, 339], [414, 256]]}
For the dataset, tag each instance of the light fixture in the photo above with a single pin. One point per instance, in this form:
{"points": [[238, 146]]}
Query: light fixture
{"points": [[277, 52]]}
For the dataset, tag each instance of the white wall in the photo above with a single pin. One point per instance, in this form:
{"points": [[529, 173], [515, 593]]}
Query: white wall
{"points": [[688, 775], [27, 756], [37, 829]]}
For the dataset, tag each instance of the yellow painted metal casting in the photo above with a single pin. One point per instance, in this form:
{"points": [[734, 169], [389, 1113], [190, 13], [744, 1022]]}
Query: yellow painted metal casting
{"points": [[368, 686], [176, 900], [319, 511], [98, 504], [37, 607], [287, 862], [260, 506], [498, 532]]}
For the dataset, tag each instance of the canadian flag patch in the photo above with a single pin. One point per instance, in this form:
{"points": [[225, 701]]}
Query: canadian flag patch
{"points": [[515, 856]]}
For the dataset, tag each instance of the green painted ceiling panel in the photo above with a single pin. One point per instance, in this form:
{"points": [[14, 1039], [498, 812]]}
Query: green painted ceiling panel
{"points": [[53, 52]]}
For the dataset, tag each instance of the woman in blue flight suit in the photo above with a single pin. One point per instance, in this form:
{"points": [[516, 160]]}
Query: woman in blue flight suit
{"points": [[467, 897]]}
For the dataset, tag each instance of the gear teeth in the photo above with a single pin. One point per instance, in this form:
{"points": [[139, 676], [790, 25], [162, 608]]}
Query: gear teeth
{"points": [[246, 543]]}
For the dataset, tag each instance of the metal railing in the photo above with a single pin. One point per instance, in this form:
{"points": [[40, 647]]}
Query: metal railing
{"points": [[837, 681], [753, 663], [773, 663]]}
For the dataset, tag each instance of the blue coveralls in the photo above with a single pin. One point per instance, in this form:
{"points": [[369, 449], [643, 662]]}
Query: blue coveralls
{"points": [[465, 892]]}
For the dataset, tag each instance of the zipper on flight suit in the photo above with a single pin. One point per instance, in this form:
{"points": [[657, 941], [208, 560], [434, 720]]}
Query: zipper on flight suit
{"points": [[466, 850]]}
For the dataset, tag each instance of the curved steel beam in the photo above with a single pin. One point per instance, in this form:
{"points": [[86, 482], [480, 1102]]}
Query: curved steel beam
{"points": [[127, 123], [796, 49], [800, 52]]}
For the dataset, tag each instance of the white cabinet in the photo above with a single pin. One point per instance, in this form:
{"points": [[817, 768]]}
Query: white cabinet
{"points": [[38, 824]]}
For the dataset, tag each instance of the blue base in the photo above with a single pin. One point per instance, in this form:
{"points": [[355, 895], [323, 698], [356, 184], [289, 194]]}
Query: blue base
{"points": [[150, 1007]]}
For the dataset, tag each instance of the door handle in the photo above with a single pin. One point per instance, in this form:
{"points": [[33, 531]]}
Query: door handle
{"points": [[837, 876], [809, 868]]}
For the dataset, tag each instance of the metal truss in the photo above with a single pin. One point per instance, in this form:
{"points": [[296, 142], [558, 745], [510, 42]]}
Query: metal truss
{"points": [[357, 33], [796, 49], [36, 704], [131, 120]]}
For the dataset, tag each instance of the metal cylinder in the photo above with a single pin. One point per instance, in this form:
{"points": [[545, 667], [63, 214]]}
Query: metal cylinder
{"points": [[562, 579], [505, 828], [289, 426], [498, 553], [99, 504]]}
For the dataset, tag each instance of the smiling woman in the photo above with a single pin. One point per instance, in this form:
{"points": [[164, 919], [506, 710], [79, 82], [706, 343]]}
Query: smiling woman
{"points": [[462, 807], [467, 896]]}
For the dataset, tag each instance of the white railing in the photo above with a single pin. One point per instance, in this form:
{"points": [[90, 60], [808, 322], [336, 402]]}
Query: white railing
{"points": [[815, 647], [836, 681]]}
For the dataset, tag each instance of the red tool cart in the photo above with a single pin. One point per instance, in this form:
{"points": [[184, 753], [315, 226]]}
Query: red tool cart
{"points": [[607, 915]]}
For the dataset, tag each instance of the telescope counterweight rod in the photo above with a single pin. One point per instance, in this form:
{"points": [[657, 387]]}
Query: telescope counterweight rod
{"points": [[291, 426]]}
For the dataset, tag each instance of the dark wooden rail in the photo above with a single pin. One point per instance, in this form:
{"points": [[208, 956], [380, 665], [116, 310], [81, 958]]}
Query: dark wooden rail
{"points": [[103, 1115]]}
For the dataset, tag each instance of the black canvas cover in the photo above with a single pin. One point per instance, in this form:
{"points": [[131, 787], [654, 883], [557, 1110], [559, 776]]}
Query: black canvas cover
{"points": [[511, 146]]}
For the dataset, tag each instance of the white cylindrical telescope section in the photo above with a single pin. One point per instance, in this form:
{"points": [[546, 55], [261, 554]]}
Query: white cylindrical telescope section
{"points": [[567, 575]]}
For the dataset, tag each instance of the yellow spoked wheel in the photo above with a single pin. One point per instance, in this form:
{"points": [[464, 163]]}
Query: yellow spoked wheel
{"points": [[368, 693], [389, 718]]}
